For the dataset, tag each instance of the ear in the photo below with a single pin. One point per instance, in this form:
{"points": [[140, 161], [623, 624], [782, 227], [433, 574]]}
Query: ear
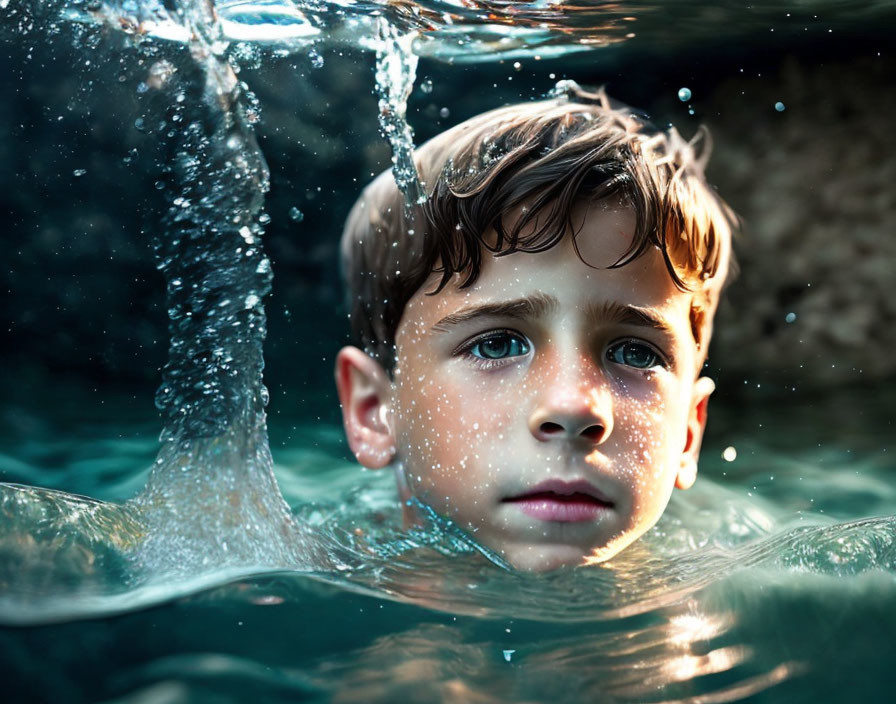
{"points": [[687, 473], [365, 396]]}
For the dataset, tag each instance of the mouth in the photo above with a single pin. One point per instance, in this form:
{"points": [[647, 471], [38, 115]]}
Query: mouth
{"points": [[562, 502]]}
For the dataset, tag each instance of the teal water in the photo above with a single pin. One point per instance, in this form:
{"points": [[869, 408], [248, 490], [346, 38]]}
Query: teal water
{"points": [[212, 564], [771, 580]]}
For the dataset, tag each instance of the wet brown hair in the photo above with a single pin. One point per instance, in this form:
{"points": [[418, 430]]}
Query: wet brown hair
{"points": [[539, 159]]}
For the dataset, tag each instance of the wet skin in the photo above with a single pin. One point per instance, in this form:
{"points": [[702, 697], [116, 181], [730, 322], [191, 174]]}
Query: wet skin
{"points": [[549, 409]]}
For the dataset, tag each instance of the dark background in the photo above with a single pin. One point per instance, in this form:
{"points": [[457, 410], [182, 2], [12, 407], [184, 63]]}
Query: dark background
{"points": [[83, 316]]}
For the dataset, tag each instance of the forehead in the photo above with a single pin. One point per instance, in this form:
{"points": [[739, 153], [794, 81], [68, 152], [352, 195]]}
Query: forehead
{"points": [[576, 272]]}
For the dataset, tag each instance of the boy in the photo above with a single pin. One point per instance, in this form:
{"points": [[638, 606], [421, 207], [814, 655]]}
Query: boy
{"points": [[531, 338]]}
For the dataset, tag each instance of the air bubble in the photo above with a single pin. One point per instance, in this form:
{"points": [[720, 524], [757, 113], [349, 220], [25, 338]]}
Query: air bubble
{"points": [[246, 234], [684, 94], [780, 107], [296, 215]]}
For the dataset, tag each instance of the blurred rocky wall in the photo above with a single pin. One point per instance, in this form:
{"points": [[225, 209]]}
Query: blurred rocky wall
{"points": [[815, 185]]}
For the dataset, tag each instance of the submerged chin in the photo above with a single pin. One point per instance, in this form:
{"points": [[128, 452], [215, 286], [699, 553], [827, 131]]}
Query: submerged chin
{"points": [[544, 555], [543, 558]]}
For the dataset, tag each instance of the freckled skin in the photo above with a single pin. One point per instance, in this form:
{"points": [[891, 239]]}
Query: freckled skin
{"points": [[468, 433]]}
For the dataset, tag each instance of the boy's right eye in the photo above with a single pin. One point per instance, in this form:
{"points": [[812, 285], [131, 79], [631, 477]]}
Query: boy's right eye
{"points": [[499, 345]]}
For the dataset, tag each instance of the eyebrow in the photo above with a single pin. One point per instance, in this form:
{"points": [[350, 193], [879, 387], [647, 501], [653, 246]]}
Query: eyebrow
{"points": [[622, 314], [534, 306]]}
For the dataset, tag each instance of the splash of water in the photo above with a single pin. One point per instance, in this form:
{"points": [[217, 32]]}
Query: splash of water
{"points": [[212, 498], [396, 70], [211, 502]]}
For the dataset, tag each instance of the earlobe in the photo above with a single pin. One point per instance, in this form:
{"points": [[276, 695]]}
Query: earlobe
{"points": [[687, 475], [687, 472], [365, 395]]}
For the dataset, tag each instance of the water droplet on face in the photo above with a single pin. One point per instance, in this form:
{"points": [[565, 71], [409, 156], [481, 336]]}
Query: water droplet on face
{"points": [[296, 215], [780, 107], [684, 94], [251, 301]]}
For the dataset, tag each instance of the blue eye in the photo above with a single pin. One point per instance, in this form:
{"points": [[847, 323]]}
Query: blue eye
{"points": [[499, 345], [635, 354]]}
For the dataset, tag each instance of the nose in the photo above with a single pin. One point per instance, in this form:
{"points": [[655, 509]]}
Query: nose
{"points": [[573, 409]]}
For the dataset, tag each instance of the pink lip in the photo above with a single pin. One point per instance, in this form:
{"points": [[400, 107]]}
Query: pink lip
{"points": [[562, 501]]}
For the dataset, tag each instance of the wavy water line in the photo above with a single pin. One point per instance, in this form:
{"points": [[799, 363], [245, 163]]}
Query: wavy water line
{"points": [[82, 552]]}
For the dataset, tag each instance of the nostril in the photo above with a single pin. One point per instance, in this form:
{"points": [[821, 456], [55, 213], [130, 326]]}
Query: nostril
{"points": [[551, 428], [593, 433]]}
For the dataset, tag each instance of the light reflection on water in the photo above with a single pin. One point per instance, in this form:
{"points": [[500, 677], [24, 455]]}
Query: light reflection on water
{"points": [[477, 30]]}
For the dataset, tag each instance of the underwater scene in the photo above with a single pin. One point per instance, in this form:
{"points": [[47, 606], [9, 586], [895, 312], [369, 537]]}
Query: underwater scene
{"points": [[181, 516]]}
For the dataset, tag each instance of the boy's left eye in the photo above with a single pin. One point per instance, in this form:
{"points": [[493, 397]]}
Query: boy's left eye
{"points": [[499, 345], [635, 354]]}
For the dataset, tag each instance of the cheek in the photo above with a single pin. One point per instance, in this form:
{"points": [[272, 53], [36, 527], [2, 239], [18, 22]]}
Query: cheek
{"points": [[454, 404], [649, 435], [449, 427]]}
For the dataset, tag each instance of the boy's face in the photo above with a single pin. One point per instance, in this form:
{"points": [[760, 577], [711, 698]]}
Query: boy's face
{"points": [[550, 408]]}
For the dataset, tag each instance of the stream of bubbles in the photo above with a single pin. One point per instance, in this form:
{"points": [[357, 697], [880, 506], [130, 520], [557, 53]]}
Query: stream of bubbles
{"points": [[211, 504]]}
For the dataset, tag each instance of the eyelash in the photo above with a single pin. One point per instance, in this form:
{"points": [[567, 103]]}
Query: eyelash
{"points": [[466, 348], [661, 360]]}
